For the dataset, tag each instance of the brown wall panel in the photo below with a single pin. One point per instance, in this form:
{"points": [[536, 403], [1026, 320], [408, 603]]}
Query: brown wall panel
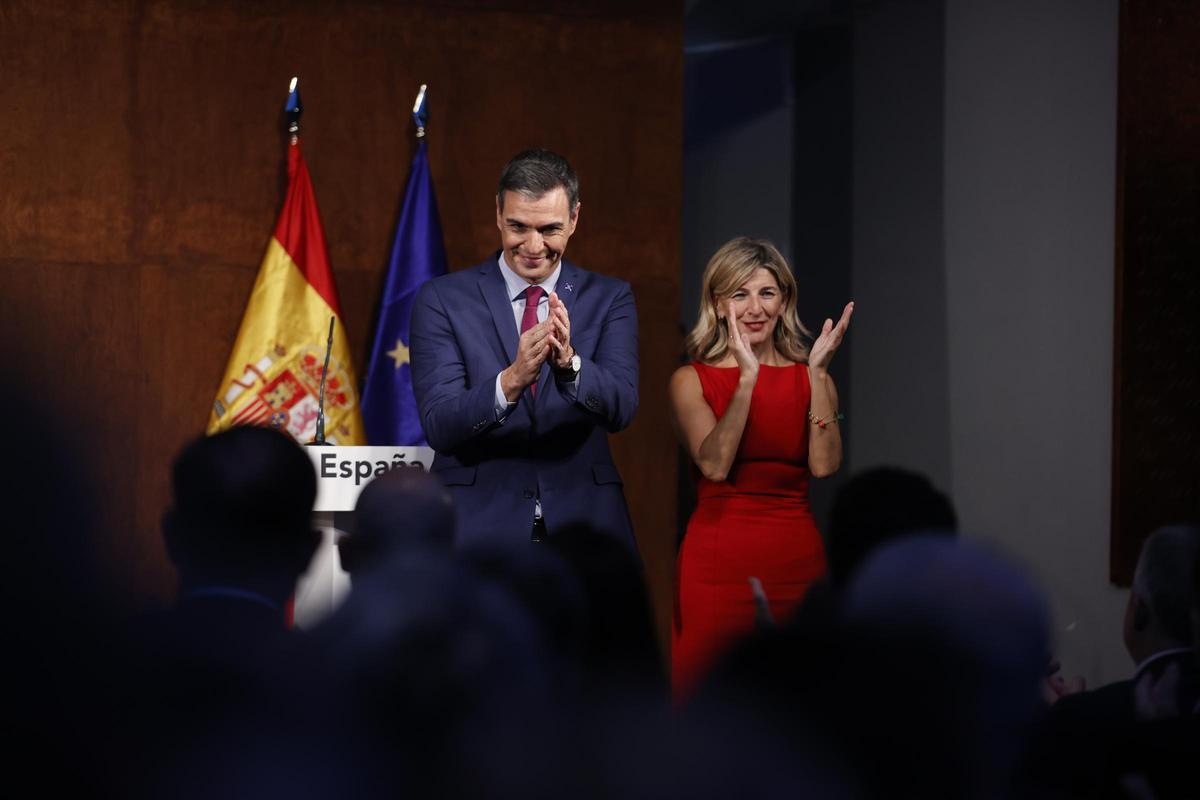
{"points": [[1156, 399], [142, 167], [646, 452], [66, 180]]}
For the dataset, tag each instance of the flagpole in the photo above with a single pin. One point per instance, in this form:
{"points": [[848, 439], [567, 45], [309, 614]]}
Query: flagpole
{"points": [[293, 110], [420, 114], [418, 254]]}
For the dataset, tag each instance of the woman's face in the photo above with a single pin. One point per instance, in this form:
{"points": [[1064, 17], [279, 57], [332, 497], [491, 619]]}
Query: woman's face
{"points": [[757, 304]]}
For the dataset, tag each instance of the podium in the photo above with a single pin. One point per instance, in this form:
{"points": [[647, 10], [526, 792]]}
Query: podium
{"points": [[342, 472]]}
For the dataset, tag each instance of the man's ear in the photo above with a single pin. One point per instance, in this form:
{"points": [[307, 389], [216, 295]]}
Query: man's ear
{"points": [[573, 219]]}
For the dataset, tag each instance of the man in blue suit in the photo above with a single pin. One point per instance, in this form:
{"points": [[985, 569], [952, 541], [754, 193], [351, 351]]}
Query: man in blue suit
{"points": [[522, 366]]}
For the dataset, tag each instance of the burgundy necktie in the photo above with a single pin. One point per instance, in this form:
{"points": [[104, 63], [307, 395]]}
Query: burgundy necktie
{"points": [[530, 318]]}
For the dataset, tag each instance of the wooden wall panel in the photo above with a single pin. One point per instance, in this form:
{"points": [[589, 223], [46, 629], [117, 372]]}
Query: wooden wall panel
{"points": [[66, 180], [1156, 403], [142, 167], [646, 452]]}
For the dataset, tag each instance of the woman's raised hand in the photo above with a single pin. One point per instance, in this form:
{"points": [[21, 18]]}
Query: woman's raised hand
{"points": [[738, 345], [827, 343]]}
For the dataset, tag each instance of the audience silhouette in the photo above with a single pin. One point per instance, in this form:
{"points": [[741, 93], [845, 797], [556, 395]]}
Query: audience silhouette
{"points": [[878, 505], [1130, 730], [402, 509], [535, 672], [58, 627], [874, 507], [239, 533]]}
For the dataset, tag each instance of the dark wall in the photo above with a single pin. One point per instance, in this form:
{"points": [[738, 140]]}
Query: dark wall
{"points": [[900, 343], [141, 169], [1156, 410]]}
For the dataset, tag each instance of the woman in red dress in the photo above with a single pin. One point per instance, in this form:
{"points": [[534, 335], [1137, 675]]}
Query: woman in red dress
{"points": [[758, 413]]}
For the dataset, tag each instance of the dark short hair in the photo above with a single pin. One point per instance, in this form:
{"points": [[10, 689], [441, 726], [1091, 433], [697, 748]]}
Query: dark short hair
{"points": [[535, 172], [242, 491], [877, 506]]}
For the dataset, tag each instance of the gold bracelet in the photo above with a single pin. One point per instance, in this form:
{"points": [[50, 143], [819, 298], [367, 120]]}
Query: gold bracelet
{"points": [[821, 422]]}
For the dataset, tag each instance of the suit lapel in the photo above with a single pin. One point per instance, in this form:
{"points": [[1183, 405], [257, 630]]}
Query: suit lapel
{"points": [[493, 289]]}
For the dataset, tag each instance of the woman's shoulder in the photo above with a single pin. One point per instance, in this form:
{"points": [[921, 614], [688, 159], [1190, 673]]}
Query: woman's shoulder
{"points": [[701, 366], [695, 374], [684, 374]]}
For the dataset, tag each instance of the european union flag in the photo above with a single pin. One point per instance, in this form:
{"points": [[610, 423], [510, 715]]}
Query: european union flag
{"points": [[418, 253]]}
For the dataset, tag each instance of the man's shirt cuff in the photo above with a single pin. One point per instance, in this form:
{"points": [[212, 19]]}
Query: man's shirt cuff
{"points": [[503, 407]]}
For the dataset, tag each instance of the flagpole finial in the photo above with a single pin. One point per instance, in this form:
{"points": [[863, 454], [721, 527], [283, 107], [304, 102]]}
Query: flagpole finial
{"points": [[293, 110], [420, 113]]}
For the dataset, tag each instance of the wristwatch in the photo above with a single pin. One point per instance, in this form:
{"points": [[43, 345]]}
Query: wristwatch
{"points": [[570, 372]]}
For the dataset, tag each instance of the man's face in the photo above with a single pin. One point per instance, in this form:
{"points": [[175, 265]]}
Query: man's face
{"points": [[534, 232]]}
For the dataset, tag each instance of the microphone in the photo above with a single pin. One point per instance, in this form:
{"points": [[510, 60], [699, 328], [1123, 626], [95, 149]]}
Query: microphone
{"points": [[319, 437]]}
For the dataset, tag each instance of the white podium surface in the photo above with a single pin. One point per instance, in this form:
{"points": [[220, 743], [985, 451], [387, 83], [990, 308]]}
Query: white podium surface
{"points": [[342, 472]]}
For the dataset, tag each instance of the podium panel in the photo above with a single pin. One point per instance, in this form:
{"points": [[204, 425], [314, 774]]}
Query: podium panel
{"points": [[342, 472]]}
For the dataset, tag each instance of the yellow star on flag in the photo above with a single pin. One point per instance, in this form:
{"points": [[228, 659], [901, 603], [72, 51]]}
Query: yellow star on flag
{"points": [[400, 354]]}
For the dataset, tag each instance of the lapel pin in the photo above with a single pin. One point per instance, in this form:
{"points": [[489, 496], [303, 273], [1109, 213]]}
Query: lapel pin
{"points": [[567, 287]]}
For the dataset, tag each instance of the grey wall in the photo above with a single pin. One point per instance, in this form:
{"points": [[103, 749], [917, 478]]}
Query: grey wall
{"points": [[985, 157], [822, 213], [1030, 177]]}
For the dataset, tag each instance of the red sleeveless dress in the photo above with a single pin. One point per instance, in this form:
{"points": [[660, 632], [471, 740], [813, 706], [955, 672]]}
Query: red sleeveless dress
{"points": [[755, 523]]}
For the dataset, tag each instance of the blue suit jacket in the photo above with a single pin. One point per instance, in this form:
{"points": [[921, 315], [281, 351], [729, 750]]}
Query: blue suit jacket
{"points": [[461, 336]]}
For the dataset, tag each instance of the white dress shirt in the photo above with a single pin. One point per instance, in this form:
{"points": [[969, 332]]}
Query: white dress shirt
{"points": [[516, 286]]}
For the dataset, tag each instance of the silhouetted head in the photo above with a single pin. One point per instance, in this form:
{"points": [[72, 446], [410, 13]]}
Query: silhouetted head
{"points": [[620, 645], [879, 505], [544, 584], [242, 503], [436, 662], [947, 649], [1158, 614], [402, 509]]}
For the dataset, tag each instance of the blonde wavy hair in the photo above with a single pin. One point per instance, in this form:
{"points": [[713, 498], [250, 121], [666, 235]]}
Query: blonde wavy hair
{"points": [[728, 269]]}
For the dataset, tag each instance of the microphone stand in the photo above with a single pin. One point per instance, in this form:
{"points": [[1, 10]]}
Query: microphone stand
{"points": [[319, 438]]}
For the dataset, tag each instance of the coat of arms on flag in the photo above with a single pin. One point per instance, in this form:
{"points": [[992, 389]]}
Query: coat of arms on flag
{"points": [[281, 391]]}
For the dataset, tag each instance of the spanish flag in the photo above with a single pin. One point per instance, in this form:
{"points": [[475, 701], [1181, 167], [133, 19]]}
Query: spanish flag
{"points": [[273, 377]]}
